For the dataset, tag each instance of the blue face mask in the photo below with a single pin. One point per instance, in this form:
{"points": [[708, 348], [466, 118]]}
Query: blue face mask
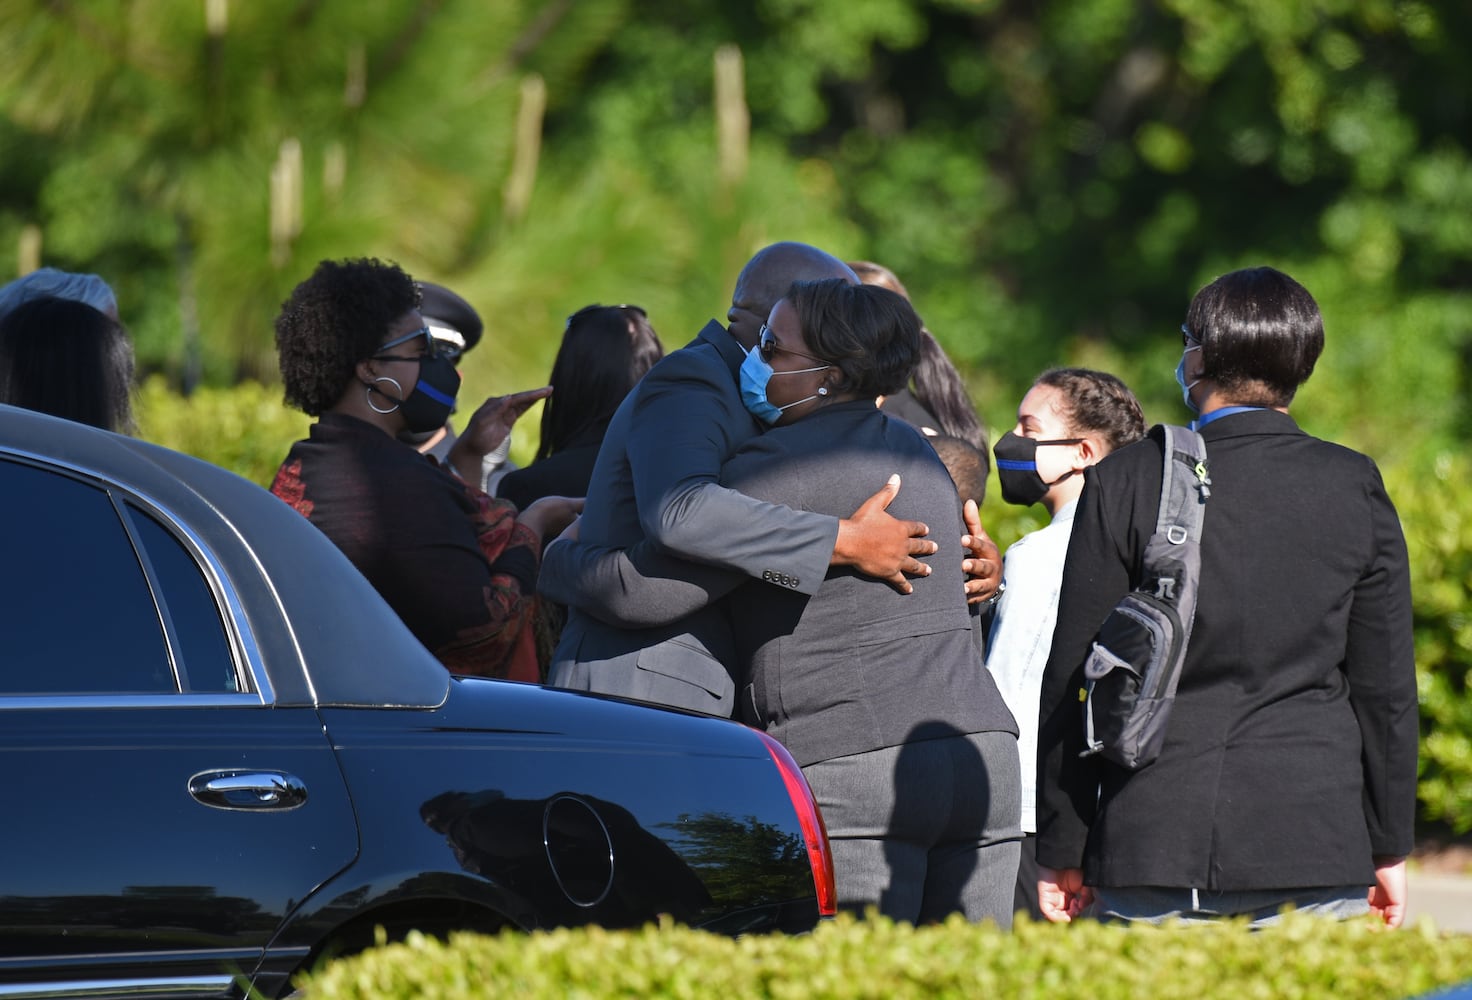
{"points": [[755, 374], [1181, 380]]}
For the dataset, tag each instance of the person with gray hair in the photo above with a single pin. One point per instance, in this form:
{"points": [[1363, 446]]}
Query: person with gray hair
{"points": [[48, 282]]}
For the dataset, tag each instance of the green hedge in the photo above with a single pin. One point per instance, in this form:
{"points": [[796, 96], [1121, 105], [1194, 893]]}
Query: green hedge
{"points": [[1434, 500], [1303, 958], [247, 429]]}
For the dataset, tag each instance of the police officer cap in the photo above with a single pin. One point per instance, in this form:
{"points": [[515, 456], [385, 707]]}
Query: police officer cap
{"points": [[450, 318]]}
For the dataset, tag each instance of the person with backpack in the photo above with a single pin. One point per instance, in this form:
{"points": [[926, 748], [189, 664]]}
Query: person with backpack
{"points": [[1287, 773]]}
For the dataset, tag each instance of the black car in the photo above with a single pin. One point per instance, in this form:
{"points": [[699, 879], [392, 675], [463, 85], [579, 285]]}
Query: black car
{"points": [[225, 758]]}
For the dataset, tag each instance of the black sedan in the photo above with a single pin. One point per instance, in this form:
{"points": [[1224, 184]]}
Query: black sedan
{"points": [[225, 758]]}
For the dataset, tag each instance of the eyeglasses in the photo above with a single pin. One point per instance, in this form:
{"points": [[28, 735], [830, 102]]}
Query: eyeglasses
{"points": [[431, 347], [1187, 338], [586, 310], [767, 347]]}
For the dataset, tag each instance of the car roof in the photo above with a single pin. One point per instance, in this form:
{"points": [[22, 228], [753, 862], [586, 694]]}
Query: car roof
{"points": [[311, 623]]}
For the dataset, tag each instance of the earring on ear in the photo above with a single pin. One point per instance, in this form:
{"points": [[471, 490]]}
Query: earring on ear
{"points": [[371, 388], [822, 390]]}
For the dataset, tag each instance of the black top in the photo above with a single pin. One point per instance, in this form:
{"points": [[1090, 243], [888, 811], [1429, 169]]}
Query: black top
{"points": [[1290, 759], [452, 562], [904, 405], [564, 473]]}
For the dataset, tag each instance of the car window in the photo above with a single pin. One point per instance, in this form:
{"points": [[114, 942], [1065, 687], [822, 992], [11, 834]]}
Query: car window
{"points": [[201, 650], [76, 612]]}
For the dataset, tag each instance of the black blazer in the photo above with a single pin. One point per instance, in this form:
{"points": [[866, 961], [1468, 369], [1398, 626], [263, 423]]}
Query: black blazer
{"points": [[564, 473], [1290, 760]]}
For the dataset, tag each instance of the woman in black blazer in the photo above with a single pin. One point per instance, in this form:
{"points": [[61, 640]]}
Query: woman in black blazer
{"points": [[1288, 774]]}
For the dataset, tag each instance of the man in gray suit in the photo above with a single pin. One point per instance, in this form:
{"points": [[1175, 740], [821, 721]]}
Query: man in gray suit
{"points": [[656, 483]]}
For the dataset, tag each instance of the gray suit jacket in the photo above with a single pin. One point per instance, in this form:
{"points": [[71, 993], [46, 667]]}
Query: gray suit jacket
{"points": [[656, 482], [858, 666]]}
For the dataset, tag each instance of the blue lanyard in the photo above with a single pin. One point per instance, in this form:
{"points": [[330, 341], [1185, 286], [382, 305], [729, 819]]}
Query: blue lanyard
{"points": [[1225, 411]]}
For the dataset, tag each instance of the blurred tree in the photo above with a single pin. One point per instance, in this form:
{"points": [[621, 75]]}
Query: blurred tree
{"points": [[1053, 181]]}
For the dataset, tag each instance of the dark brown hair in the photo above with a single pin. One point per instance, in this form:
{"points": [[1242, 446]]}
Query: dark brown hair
{"points": [[870, 334], [1097, 403], [333, 320], [1260, 334]]}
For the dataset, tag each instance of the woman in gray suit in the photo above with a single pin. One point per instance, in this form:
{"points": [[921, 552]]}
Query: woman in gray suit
{"points": [[881, 697]]}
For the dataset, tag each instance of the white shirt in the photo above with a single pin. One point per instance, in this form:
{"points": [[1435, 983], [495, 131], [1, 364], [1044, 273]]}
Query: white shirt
{"points": [[1022, 635]]}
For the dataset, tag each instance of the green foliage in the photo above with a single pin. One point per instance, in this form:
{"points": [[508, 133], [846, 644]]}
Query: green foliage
{"points": [[1304, 958], [247, 429], [1438, 524]]}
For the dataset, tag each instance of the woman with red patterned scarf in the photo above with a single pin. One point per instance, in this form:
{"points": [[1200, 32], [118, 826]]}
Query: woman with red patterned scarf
{"points": [[458, 566]]}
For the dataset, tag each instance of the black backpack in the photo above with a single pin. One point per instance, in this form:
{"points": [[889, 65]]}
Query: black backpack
{"points": [[1132, 671]]}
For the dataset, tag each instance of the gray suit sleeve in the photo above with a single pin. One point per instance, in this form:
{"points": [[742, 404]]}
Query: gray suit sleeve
{"points": [[638, 587], [686, 424]]}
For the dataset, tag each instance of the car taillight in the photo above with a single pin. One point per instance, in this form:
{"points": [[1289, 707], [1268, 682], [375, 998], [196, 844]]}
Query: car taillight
{"points": [[814, 833]]}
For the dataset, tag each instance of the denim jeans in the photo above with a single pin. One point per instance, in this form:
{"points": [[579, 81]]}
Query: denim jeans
{"points": [[1157, 904]]}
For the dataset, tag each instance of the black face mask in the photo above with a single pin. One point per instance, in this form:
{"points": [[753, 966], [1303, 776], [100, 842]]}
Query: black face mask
{"points": [[1017, 468], [433, 399]]}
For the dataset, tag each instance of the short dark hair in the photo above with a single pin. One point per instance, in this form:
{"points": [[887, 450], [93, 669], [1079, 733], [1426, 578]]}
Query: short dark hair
{"points": [[1097, 403], [65, 358], [605, 351], [333, 320], [870, 334], [1260, 334], [968, 465]]}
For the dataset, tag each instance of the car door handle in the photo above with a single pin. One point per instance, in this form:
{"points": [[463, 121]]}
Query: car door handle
{"points": [[248, 789]]}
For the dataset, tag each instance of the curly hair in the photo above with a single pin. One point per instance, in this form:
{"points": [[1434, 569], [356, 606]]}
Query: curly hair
{"points": [[333, 320], [870, 334], [1097, 403]]}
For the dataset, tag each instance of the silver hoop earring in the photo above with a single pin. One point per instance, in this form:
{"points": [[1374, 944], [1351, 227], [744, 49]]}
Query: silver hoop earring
{"points": [[369, 390]]}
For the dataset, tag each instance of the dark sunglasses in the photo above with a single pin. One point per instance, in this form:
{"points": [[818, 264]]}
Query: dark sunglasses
{"points": [[1187, 340], [587, 310], [447, 349], [767, 347], [432, 347]]}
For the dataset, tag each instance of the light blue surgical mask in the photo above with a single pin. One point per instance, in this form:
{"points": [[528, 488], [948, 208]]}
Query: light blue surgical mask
{"points": [[755, 374], [1181, 380]]}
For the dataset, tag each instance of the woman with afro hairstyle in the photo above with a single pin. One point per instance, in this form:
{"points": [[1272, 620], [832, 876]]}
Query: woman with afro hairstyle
{"points": [[458, 567]]}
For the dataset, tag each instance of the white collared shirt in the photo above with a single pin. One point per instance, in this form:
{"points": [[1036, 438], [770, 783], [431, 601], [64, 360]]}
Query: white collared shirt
{"points": [[1022, 636]]}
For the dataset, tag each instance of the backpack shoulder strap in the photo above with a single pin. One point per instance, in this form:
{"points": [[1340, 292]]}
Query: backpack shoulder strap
{"points": [[1185, 484]]}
